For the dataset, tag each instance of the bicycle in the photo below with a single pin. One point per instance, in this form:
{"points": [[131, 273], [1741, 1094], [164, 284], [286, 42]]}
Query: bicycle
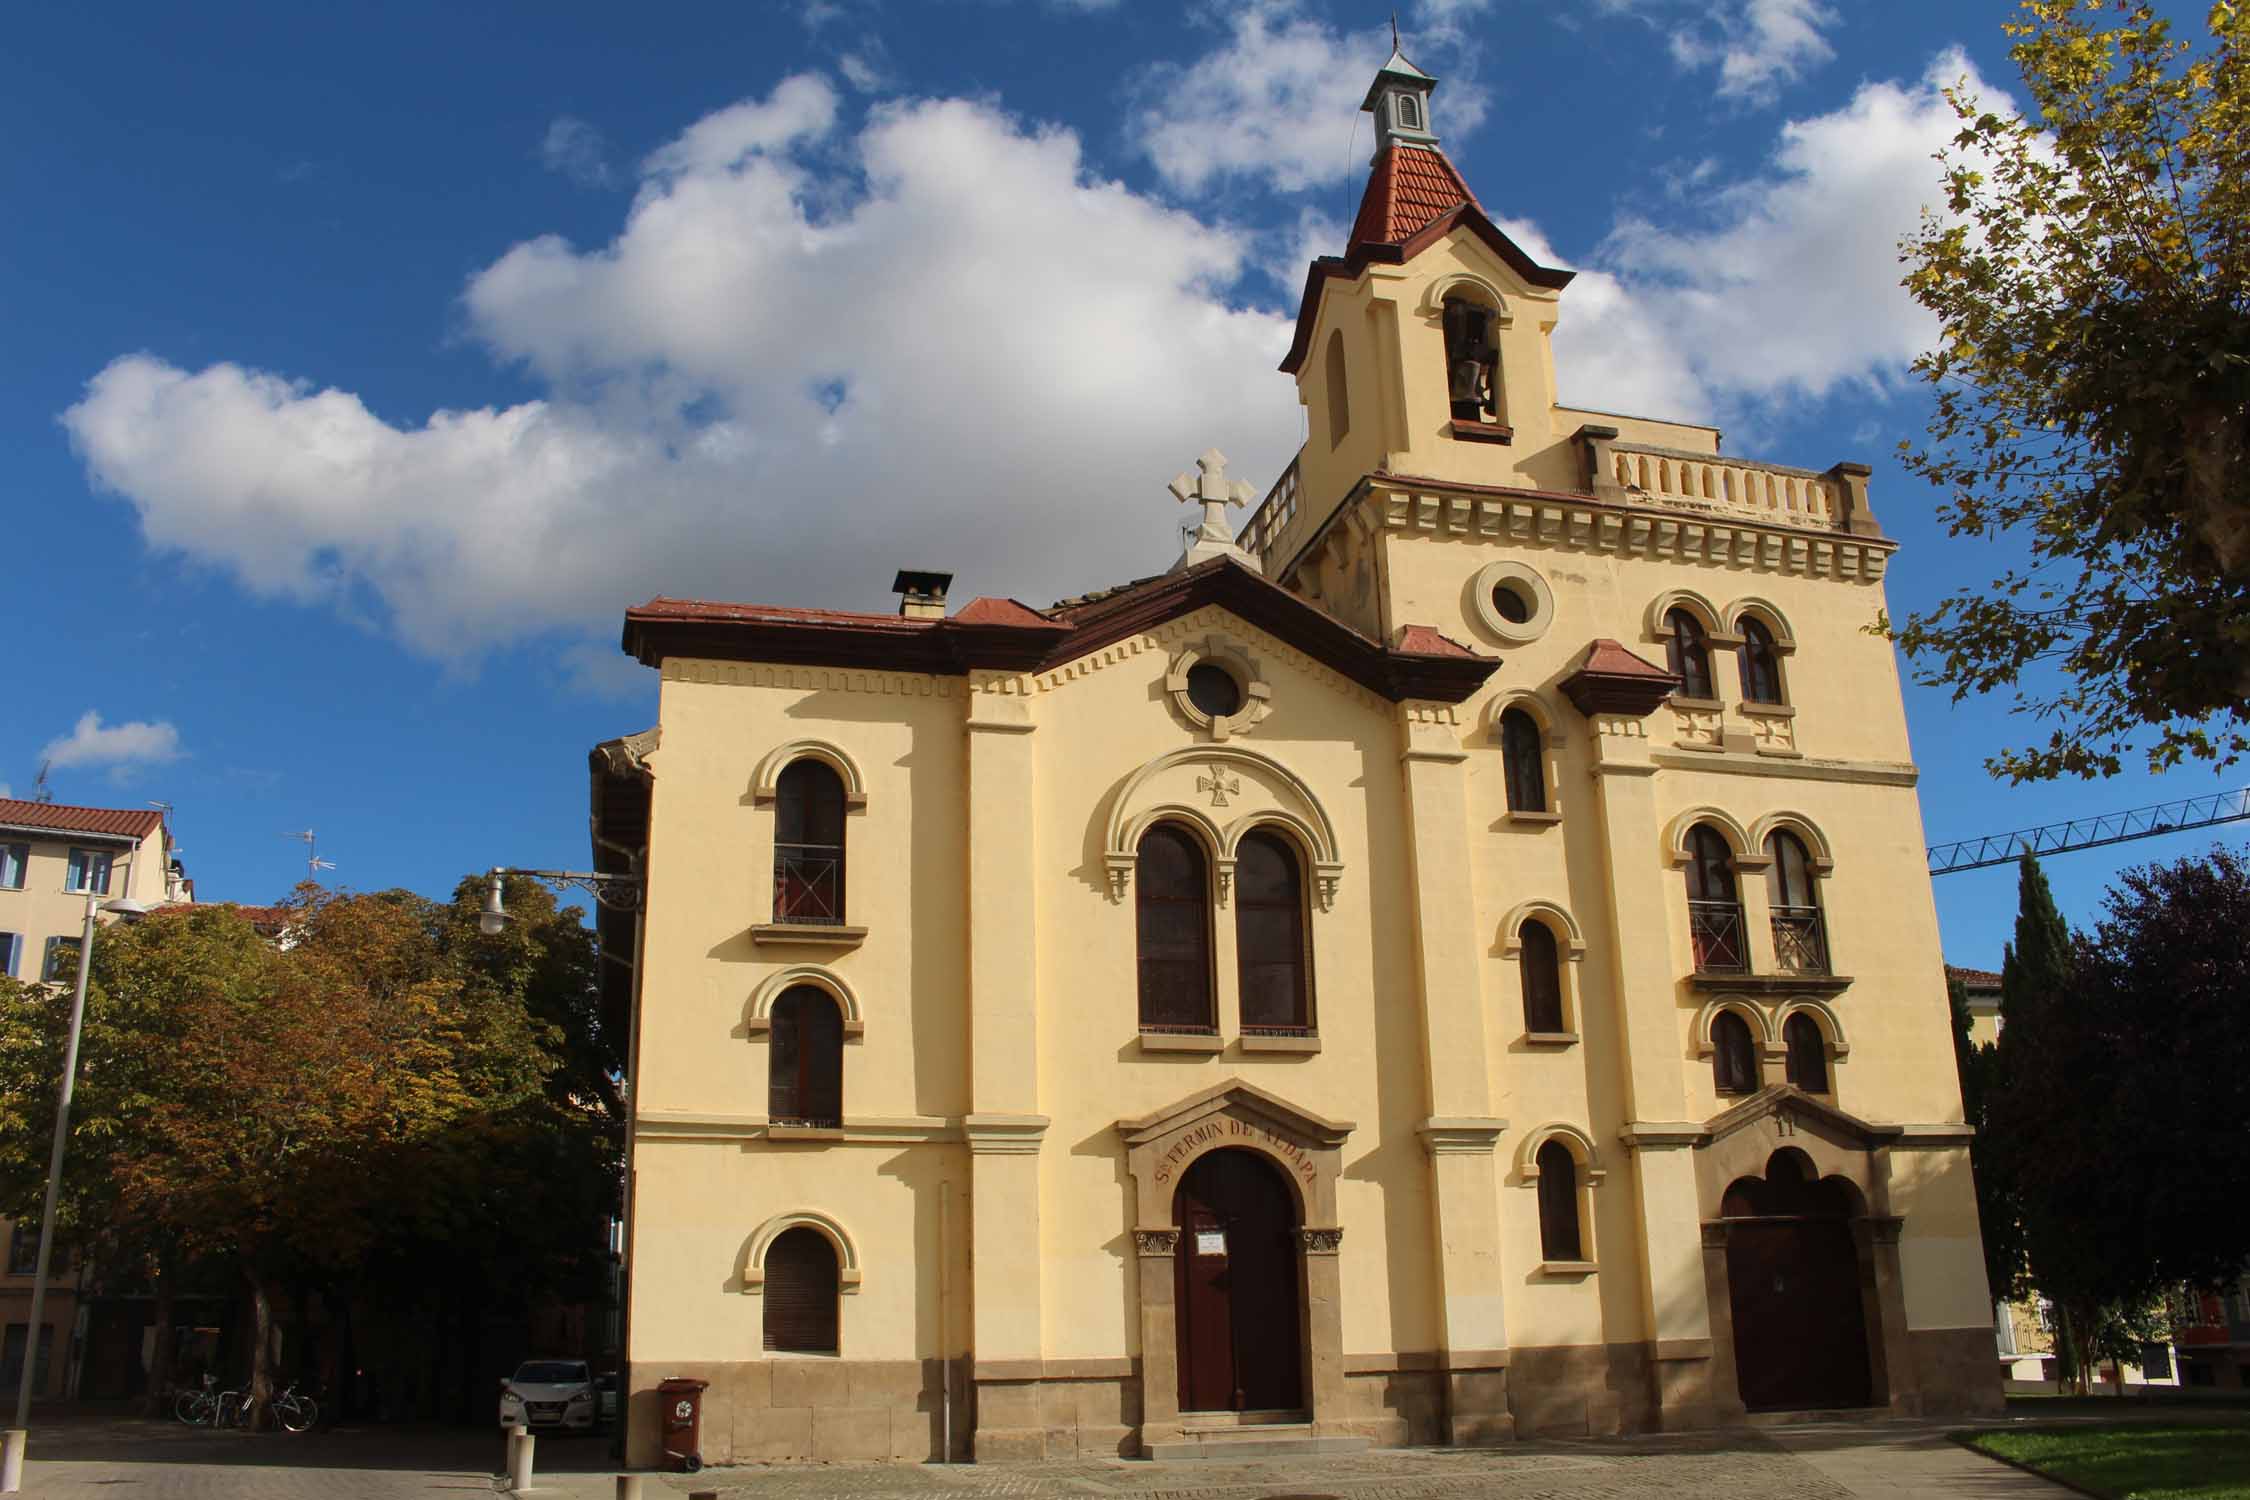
{"points": [[295, 1413], [198, 1406]]}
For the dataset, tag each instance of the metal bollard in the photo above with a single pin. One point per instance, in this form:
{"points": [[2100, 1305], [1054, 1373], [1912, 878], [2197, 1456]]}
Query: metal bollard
{"points": [[11, 1460], [519, 1462], [628, 1487]]}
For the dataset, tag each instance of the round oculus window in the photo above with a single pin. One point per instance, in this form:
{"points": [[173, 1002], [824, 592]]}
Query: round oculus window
{"points": [[1509, 603], [1214, 690]]}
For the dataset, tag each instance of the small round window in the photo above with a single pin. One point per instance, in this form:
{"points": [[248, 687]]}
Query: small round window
{"points": [[1214, 690], [1509, 603]]}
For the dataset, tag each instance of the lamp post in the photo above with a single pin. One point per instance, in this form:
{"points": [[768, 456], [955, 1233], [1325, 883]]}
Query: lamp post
{"points": [[11, 1450], [617, 892]]}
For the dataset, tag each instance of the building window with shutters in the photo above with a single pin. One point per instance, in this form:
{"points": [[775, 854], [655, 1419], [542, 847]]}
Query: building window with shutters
{"points": [[805, 1061], [14, 859], [1734, 1054], [89, 872], [1523, 759], [808, 845], [801, 1294], [1688, 654], [60, 965], [1807, 1050], [1173, 931], [1274, 958], [1560, 1239]]}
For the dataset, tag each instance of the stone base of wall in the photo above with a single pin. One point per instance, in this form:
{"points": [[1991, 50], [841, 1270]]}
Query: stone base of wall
{"points": [[811, 1411], [1082, 1409], [1956, 1371], [1582, 1390]]}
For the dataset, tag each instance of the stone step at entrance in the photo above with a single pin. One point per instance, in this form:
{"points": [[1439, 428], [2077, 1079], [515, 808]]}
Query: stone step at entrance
{"points": [[1251, 1435], [1819, 1414]]}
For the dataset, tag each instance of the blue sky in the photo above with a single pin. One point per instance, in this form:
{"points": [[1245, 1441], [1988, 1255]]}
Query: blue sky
{"points": [[358, 366]]}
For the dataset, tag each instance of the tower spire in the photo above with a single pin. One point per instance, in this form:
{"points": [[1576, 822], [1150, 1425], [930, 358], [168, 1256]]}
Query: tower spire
{"points": [[1399, 98]]}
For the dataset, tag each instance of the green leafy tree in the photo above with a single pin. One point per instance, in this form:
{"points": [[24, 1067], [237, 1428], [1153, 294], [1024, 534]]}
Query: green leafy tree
{"points": [[1997, 1214], [2091, 278]]}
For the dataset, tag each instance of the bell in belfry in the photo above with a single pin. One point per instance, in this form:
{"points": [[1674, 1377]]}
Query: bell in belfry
{"points": [[1470, 356]]}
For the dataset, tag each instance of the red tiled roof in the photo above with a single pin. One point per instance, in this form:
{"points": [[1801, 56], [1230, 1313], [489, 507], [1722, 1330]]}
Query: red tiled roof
{"points": [[663, 608], [1407, 188], [1426, 640], [117, 822], [987, 611], [1975, 979], [1609, 658]]}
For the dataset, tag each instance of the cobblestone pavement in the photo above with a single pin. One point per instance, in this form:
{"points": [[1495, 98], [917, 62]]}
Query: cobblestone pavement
{"points": [[84, 1459]]}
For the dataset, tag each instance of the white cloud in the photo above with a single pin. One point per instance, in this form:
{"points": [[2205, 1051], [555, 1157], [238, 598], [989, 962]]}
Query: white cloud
{"points": [[1758, 46], [577, 151], [862, 72], [1278, 102], [803, 362], [119, 747]]}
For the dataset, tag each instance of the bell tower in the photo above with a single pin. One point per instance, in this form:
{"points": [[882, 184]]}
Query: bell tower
{"points": [[1399, 98]]}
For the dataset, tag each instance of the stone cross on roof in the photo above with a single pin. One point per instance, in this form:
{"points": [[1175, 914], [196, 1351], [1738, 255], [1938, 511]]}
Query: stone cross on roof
{"points": [[1211, 489]]}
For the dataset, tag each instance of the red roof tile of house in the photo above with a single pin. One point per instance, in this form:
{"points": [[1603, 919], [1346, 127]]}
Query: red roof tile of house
{"points": [[1425, 640], [116, 822], [663, 608], [1609, 658], [1975, 979], [988, 611], [1407, 188]]}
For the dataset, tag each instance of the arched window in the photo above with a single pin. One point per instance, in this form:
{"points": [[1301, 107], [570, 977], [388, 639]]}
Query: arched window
{"points": [[1688, 654], [1799, 942], [1472, 360], [1339, 393], [1269, 937], [1734, 1056], [1174, 908], [1714, 905], [1542, 977], [1808, 1053], [1761, 665], [805, 1060], [808, 844], [1523, 754], [1559, 1238], [800, 1292]]}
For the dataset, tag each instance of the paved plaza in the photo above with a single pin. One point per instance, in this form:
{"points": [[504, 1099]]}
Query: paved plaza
{"points": [[83, 1458]]}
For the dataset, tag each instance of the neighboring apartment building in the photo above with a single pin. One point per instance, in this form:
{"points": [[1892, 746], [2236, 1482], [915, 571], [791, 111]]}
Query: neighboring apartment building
{"points": [[52, 858], [1456, 964], [2214, 1349]]}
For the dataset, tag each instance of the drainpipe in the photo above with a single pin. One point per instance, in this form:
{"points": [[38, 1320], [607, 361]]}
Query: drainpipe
{"points": [[945, 1325]]}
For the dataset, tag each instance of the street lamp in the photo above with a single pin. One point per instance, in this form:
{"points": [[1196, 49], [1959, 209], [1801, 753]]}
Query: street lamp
{"points": [[617, 892], [11, 1449]]}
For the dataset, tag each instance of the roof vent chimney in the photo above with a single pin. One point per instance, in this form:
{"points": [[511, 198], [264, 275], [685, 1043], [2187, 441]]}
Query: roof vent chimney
{"points": [[921, 596]]}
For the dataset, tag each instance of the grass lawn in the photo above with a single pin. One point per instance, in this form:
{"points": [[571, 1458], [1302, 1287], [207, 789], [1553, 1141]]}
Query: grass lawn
{"points": [[2141, 1460]]}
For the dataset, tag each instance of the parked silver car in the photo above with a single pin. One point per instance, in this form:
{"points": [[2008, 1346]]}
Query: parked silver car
{"points": [[554, 1393]]}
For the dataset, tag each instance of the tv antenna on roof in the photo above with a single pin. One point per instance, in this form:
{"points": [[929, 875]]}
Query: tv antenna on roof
{"points": [[314, 864], [40, 791]]}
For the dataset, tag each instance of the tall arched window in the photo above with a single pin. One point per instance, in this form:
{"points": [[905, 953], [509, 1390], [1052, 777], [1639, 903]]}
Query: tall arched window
{"points": [[1523, 751], [1688, 654], [1339, 393], [808, 844], [1734, 1056], [800, 1292], [1542, 977], [805, 1060], [1269, 937], [1714, 904], [1472, 360], [1799, 943], [1559, 1238], [1761, 665], [1808, 1053], [1174, 909]]}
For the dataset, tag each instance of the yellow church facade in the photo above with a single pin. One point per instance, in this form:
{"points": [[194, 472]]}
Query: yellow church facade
{"points": [[1452, 962]]}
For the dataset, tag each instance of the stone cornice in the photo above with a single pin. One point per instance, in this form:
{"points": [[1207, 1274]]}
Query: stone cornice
{"points": [[1729, 763], [696, 1125], [1461, 1135], [1004, 1135]]}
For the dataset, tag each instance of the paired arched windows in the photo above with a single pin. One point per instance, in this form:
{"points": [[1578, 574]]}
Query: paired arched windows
{"points": [[1807, 1053], [1761, 665], [1734, 1054], [1523, 750], [1560, 1238], [800, 1292], [805, 1060], [1541, 967], [1269, 931], [1800, 944], [808, 844], [1173, 911], [1714, 903], [1687, 651]]}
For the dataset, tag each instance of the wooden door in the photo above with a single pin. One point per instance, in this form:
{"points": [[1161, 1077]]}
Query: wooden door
{"points": [[1235, 1288], [1800, 1332]]}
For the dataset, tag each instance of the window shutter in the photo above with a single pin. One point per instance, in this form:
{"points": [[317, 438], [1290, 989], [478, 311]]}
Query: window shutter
{"points": [[800, 1293]]}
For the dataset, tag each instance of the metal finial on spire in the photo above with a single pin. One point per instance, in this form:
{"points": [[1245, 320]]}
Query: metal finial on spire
{"points": [[1394, 31]]}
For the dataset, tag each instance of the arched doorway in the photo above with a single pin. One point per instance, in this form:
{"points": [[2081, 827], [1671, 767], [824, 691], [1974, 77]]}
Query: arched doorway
{"points": [[1794, 1288], [1235, 1274]]}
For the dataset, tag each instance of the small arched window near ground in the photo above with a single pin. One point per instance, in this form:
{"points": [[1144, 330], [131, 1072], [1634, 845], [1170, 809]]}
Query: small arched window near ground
{"points": [[1714, 904], [1808, 1053], [808, 844], [1734, 1055], [1339, 393], [1559, 1237], [1761, 665], [1173, 908], [805, 1060], [1800, 939], [1688, 654], [800, 1293], [1269, 935], [1523, 755], [1542, 978]]}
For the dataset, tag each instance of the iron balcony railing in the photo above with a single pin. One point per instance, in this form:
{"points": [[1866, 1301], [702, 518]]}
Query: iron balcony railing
{"points": [[1799, 944], [808, 884], [807, 1122], [1715, 928]]}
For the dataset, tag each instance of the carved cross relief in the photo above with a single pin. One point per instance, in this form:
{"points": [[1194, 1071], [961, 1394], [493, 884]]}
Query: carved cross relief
{"points": [[1220, 785]]}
